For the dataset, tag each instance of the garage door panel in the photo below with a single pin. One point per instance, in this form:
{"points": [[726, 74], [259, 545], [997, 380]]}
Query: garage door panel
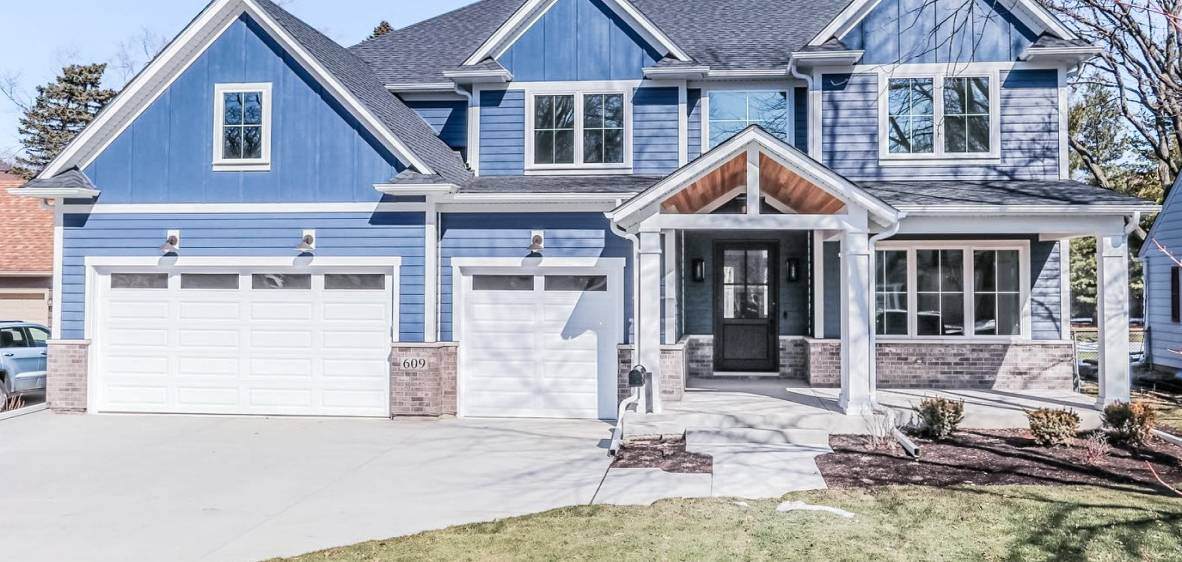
{"points": [[499, 312], [206, 396], [247, 351]]}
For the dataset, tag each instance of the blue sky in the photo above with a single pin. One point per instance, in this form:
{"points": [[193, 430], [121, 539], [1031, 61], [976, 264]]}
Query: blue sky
{"points": [[52, 33]]}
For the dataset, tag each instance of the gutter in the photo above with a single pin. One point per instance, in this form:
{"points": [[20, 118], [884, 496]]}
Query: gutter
{"points": [[874, 240]]}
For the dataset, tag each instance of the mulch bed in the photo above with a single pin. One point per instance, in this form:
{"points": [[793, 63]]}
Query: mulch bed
{"points": [[995, 458], [665, 453]]}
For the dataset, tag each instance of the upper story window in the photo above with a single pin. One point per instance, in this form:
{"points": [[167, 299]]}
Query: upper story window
{"points": [[578, 130], [732, 111], [953, 289], [242, 127], [938, 117]]}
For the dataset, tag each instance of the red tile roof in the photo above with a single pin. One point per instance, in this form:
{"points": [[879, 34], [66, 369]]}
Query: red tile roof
{"points": [[26, 231]]}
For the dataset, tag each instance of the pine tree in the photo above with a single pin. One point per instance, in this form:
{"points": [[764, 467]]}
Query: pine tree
{"points": [[62, 109], [382, 29]]}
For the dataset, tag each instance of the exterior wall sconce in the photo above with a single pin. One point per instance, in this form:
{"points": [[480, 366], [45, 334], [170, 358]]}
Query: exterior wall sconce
{"points": [[792, 269], [307, 242], [698, 267], [537, 242], [172, 242]]}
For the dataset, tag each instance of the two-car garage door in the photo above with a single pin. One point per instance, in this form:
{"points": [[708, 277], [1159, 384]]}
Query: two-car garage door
{"points": [[539, 341], [263, 341]]}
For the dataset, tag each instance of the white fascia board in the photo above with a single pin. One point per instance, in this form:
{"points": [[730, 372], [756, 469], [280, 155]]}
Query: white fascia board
{"points": [[325, 77], [1038, 54], [232, 208], [408, 87], [415, 188], [677, 73], [1028, 11], [752, 73], [176, 58], [54, 192], [481, 76], [827, 58], [530, 12]]}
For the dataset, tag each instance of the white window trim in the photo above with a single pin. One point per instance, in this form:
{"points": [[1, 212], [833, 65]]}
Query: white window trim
{"points": [[938, 155], [222, 164], [968, 247], [578, 166], [704, 108]]}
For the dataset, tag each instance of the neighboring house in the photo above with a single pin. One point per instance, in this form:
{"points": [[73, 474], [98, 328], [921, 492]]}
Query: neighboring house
{"points": [[26, 255], [1160, 256], [497, 211]]}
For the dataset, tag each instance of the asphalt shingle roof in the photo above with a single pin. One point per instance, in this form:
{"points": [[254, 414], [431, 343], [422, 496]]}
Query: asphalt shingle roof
{"points": [[358, 78], [69, 179], [623, 184], [995, 192], [737, 34]]}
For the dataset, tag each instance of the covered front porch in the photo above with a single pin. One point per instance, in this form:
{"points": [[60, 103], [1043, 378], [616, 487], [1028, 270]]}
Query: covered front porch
{"points": [[757, 263]]}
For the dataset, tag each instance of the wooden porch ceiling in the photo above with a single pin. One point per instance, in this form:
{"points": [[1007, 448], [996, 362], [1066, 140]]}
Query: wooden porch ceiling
{"points": [[775, 181]]}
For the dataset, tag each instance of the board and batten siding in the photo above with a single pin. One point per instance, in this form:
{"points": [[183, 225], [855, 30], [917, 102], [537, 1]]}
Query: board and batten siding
{"points": [[578, 40], [245, 234], [507, 235], [1029, 107], [449, 119], [800, 118], [655, 126], [1046, 303], [940, 31], [319, 153], [502, 132]]}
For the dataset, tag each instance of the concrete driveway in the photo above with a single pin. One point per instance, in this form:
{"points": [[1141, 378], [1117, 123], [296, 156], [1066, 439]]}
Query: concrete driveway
{"points": [[235, 488]]}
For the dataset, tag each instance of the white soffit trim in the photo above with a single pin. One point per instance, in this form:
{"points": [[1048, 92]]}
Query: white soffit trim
{"points": [[1028, 11], [54, 192], [176, 58], [533, 10], [774, 148]]}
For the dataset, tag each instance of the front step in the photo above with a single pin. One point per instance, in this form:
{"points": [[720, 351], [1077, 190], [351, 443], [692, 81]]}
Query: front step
{"points": [[638, 425], [746, 436]]}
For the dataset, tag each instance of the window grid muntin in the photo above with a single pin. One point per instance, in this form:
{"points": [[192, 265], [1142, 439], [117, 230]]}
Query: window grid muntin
{"points": [[603, 129], [913, 121], [996, 293], [961, 85], [714, 125]]}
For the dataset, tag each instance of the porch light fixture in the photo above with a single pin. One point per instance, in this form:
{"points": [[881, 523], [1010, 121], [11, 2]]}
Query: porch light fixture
{"points": [[792, 269], [307, 242], [172, 242], [537, 242], [699, 270]]}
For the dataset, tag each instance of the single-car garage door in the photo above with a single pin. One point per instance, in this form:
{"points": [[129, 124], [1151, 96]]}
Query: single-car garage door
{"points": [[245, 342], [539, 342]]}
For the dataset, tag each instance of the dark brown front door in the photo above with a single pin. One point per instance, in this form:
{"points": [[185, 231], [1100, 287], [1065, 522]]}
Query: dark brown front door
{"points": [[745, 328]]}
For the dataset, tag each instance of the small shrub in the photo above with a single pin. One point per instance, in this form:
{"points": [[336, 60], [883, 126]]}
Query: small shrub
{"points": [[1129, 424], [939, 417], [1053, 427], [1096, 448]]}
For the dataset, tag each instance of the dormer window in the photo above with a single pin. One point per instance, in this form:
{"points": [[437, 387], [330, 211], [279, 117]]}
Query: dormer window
{"points": [[938, 117], [581, 130], [242, 127]]}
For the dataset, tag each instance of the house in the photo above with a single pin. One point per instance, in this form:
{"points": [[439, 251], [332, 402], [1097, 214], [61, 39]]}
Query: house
{"points": [[26, 255], [1161, 269], [500, 210]]}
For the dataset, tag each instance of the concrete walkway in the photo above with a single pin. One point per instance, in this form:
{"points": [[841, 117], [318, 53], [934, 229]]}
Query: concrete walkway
{"points": [[225, 488]]}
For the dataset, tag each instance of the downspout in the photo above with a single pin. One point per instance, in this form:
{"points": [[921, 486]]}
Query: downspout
{"points": [[632, 335], [871, 310]]}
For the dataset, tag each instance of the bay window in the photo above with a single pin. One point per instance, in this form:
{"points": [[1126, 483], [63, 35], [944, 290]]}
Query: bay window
{"points": [[951, 289], [936, 116], [578, 130]]}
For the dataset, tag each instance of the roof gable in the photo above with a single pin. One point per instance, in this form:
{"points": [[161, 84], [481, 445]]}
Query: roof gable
{"points": [[343, 76], [528, 15]]}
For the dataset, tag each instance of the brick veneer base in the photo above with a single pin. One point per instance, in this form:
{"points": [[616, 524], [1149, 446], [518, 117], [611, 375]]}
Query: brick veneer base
{"points": [[673, 371], [977, 365], [423, 379], [66, 375], [699, 351]]}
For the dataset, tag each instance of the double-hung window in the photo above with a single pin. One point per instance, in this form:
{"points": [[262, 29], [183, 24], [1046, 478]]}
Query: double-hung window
{"points": [[732, 111], [579, 130], [953, 289], [242, 127], [939, 117]]}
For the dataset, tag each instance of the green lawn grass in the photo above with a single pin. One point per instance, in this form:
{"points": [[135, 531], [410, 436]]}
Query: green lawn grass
{"points": [[892, 523]]}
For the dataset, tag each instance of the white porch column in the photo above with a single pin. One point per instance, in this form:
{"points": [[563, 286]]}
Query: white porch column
{"points": [[672, 285], [855, 398], [648, 326], [1112, 316], [431, 272]]}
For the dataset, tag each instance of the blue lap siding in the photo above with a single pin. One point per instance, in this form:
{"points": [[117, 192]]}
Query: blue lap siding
{"points": [[502, 133], [508, 236], [449, 118], [1029, 131], [655, 136], [237, 235]]}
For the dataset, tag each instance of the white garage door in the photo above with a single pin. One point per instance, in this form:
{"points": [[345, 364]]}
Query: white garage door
{"points": [[539, 343], [248, 342]]}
